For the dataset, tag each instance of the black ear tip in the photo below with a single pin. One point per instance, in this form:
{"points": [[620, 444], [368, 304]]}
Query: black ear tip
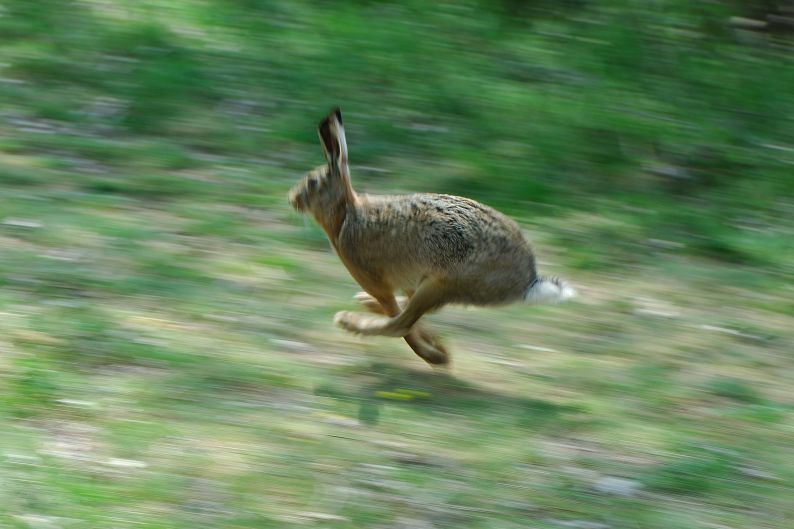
{"points": [[335, 112]]}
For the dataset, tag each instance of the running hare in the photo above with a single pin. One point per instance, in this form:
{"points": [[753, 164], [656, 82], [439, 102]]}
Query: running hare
{"points": [[437, 249]]}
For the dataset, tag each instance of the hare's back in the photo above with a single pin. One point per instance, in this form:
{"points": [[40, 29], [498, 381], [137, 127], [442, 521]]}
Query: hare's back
{"points": [[404, 238]]}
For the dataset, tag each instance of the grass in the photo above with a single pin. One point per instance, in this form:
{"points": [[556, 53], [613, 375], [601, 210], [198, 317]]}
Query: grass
{"points": [[166, 352]]}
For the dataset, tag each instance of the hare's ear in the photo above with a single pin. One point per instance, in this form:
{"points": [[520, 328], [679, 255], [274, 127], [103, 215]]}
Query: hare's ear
{"points": [[332, 137]]}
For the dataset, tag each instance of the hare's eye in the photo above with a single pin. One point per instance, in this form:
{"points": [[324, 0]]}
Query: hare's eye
{"points": [[312, 183]]}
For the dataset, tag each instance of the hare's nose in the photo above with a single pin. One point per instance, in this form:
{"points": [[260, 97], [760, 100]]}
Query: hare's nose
{"points": [[295, 200]]}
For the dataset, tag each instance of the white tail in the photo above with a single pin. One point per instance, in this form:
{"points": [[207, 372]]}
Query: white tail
{"points": [[548, 290]]}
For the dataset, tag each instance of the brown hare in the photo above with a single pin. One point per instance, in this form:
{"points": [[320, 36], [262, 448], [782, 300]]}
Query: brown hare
{"points": [[436, 249]]}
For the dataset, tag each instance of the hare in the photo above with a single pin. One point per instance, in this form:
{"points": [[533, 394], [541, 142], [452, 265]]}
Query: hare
{"points": [[437, 249]]}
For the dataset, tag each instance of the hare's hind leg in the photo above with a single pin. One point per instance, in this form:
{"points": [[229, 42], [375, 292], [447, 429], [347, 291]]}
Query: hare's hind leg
{"points": [[374, 306], [423, 343], [428, 296], [420, 339]]}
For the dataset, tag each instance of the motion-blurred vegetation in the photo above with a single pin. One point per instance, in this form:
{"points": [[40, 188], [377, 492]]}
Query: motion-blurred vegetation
{"points": [[166, 353]]}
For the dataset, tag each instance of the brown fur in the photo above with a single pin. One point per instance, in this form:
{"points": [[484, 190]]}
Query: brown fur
{"points": [[438, 249]]}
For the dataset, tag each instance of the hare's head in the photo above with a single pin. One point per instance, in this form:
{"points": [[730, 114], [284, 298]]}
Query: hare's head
{"points": [[326, 187]]}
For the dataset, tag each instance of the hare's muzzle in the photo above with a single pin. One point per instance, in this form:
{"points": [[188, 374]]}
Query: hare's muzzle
{"points": [[296, 198]]}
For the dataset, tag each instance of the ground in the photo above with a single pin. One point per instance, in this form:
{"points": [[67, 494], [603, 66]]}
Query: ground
{"points": [[198, 378]]}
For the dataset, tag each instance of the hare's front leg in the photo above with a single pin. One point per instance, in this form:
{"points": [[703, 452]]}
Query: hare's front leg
{"points": [[373, 305], [427, 297]]}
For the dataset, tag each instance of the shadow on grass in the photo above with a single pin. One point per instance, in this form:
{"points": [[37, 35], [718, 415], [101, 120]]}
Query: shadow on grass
{"points": [[381, 385]]}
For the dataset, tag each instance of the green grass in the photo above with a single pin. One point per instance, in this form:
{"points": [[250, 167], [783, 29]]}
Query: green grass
{"points": [[167, 357]]}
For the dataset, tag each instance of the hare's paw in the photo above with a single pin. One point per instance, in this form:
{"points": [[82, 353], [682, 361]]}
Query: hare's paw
{"points": [[432, 352], [437, 353], [373, 305], [368, 302], [431, 340], [360, 323]]}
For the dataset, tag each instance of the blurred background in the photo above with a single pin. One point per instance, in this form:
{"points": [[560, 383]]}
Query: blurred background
{"points": [[167, 357]]}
